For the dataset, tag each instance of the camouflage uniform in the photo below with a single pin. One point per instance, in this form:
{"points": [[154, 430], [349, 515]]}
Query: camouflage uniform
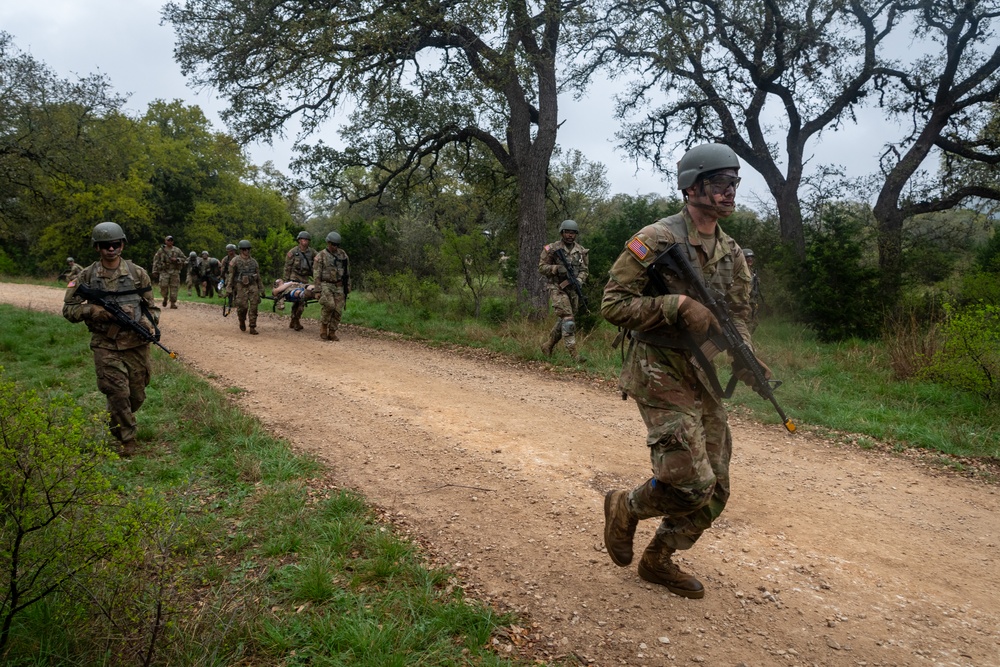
{"points": [[687, 429], [73, 272], [194, 274], [167, 265], [332, 278], [211, 271], [121, 357], [562, 297], [299, 269], [244, 282], [224, 267]]}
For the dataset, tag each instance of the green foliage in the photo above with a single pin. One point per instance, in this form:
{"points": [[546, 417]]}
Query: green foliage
{"points": [[988, 257], [837, 288], [60, 513], [980, 286], [969, 358], [405, 289]]}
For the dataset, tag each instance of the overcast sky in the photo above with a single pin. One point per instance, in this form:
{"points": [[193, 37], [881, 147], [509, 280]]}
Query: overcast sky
{"points": [[124, 40]]}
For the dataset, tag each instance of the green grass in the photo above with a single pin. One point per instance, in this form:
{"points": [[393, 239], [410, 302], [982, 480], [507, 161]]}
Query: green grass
{"points": [[258, 563]]}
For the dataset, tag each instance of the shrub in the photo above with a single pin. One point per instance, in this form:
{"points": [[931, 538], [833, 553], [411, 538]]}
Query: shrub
{"points": [[404, 288], [969, 358], [59, 514]]}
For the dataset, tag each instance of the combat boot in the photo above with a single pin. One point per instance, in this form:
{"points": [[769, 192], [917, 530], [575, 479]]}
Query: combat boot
{"points": [[333, 335], [656, 567], [173, 304], [253, 331], [243, 324], [550, 344], [128, 448], [324, 332], [164, 302], [619, 527]]}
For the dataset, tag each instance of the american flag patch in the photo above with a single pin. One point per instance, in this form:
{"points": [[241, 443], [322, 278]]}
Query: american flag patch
{"points": [[638, 248]]}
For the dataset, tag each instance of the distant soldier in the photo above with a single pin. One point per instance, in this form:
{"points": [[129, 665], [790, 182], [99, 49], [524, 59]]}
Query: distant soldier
{"points": [[332, 279], [224, 268], [243, 281], [193, 273], [72, 270], [121, 357], [756, 297], [299, 268], [211, 269], [563, 297], [167, 264]]}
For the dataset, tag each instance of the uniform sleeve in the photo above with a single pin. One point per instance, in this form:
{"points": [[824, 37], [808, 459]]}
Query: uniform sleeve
{"points": [[738, 295], [288, 266], [545, 265], [74, 309], [624, 303], [147, 296], [584, 266], [317, 268], [230, 283]]}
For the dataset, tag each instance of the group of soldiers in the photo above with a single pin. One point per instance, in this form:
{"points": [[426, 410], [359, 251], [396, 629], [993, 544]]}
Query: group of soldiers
{"points": [[671, 341], [114, 297]]}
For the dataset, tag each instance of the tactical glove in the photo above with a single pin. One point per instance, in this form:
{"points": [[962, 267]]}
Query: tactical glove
{"points": [[561, 270], [698, 318], [746, 377], [98, 314]]}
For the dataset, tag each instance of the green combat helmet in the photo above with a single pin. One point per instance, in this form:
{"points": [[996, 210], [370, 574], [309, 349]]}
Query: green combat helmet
{"points": [[230, 246], [333, 237], [569, 226], [192, 255], [108, 231], [304, 235], [244, 245], [703, 159]]}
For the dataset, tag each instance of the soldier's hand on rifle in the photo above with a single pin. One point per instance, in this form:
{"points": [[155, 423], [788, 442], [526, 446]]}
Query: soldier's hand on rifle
{"points": [[697, 318], [746, 376], [98, 314], [561, 270]]}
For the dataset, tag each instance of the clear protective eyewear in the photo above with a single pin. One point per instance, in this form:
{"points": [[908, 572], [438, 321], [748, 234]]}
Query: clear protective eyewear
{"points": [[720, 183]]}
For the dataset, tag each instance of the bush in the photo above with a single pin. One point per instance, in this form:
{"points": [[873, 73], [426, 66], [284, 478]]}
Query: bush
{"points": [[838, 291], [59, 514], [969, 358], [404, 288]]}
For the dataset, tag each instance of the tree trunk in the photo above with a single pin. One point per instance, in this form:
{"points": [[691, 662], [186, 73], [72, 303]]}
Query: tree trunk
{"points": [[530, 239]]}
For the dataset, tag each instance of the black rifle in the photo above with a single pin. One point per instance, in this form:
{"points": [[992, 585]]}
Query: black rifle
{"points": [[571, 277], [97, 298], [676, 260], [227, 304]]}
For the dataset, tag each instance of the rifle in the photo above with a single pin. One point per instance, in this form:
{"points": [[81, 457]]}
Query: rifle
{"points": [[227, 304], [97, 297], [571, 276], [676, 260]]}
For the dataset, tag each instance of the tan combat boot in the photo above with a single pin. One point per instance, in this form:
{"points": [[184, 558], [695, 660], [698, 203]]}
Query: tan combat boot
{"points": [[243, 324], [253, 331], [577, 357], [324, 332], [656, 567], [128, 448], [333, 335], [619, 527]]}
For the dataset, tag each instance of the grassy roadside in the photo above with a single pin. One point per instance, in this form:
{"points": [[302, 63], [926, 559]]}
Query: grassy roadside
{"points": [[258, 560]]}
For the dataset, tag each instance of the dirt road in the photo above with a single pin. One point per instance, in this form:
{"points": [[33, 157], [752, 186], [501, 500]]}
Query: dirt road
{"points": [[824, 556]]}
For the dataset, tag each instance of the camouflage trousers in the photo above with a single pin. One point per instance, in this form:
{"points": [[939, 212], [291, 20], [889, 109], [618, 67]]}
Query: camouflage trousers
{"points": [[122, 376], [170, 284], [564, 305], [332, 302], [246, 302], [689, 448]]}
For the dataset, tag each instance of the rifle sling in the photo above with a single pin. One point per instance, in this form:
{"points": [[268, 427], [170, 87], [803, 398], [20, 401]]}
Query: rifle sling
{"points": [[685, 343]]}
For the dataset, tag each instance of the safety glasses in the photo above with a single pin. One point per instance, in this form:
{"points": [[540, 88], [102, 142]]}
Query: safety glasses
{"points": [[720, 183], [109, 245]]}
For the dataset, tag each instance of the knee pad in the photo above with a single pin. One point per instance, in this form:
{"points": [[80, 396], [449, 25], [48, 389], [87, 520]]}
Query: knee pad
{"points": [[568, 327]]}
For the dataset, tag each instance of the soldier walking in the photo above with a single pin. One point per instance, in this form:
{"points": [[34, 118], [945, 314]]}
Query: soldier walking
{"points": [[688, 434], [245, 284], [332, 279], [121, 356], [167, 264], [563, 297], [299, 268]]}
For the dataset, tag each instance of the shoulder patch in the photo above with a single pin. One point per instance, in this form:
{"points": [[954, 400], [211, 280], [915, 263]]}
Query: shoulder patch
{"points": [[638, 248], [72, 283]]}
